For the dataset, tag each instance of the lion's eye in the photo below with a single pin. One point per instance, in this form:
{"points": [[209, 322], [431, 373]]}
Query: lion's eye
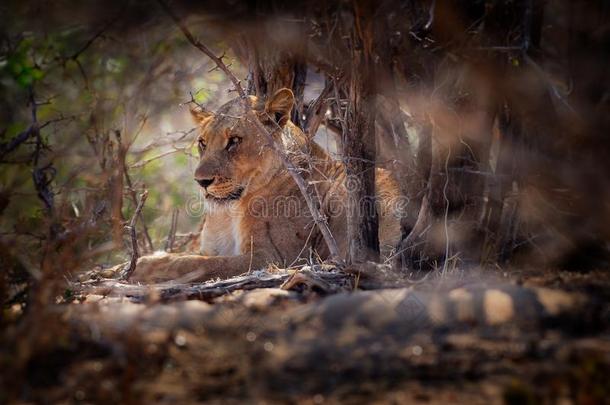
{"points": [[233, 142], [202, 145]]}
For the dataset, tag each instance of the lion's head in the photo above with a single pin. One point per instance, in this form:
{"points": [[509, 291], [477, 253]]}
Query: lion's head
{"points": [[233, 155]]}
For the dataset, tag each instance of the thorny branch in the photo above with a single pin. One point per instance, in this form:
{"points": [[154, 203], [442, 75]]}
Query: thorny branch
{"points": [[132, 193], [42, 176], [135, 253], [122, 161], [313, 203], [169, 244]]}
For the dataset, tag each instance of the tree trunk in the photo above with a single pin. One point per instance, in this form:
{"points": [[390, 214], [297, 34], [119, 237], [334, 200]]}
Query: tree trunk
{"points": [[448, 223], [271, 71], [275, 61], [359, 146]]}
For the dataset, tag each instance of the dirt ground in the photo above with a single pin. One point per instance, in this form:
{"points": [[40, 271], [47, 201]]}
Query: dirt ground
{"points": [[312, 340]]}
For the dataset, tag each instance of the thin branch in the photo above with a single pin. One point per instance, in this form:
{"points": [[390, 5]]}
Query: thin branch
{"points": [[144, 162], [42, 176], [8, 147], [311, 199], [203, 48], [122, 153], [316, 111], [169, 244], [135, 201], [430, 21], [91, 40], [135, 253], [545, 77]]}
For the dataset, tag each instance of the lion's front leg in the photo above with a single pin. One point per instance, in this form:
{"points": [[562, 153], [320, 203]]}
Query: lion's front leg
{"points": [[189, 268]]}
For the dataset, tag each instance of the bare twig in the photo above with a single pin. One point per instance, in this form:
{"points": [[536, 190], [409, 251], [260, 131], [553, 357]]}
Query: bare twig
{"points": [[171, 237], [310, 198], [42, 176], [317, 110], [10, 146], [176, 149], [91, 40], [430, 16], [122, 161], [135, 253], [545, 77]]}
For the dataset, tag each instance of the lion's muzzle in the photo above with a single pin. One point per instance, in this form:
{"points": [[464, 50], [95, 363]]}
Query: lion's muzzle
{"points": [[221, 189]]}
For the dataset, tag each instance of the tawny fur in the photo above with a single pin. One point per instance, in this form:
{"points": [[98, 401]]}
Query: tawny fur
{"points": [[269, 223]]}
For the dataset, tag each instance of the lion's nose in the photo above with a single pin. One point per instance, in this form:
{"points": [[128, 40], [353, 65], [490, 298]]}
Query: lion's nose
{"points": [[205, 182]]}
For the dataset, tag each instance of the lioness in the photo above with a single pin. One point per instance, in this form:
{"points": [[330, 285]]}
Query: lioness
{"points": [[255, 213]]}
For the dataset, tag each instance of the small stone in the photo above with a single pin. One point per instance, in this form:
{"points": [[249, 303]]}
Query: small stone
{"points": [[417, 350], [180, 340]]}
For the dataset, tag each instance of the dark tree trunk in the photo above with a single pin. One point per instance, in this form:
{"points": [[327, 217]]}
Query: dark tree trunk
{"points": [[448, 223], [270, 71], [275, 58], [359, 146]]}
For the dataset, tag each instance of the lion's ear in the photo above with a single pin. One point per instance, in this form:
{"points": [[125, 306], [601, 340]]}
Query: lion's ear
{"points": [[280, 105], [201, 116]]}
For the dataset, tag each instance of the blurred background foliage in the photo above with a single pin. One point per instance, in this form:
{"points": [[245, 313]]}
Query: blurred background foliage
{"points": [[92, 103]]}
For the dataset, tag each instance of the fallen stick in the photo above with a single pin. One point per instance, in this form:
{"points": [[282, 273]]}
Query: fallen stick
{"points": [[171, 291]]}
